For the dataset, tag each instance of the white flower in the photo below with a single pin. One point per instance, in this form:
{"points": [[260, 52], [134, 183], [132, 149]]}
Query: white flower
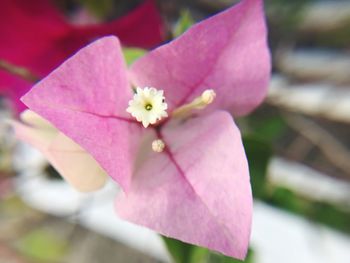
{"points": [[148, 106]]}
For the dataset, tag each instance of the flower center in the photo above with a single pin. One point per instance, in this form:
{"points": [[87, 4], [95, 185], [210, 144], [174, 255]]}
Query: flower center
{"points": [[148, 107]]}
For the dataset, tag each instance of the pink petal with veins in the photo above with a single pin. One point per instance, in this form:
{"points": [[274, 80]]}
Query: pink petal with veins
{"points": [[85, 98], [198, 189], [227, 52]]}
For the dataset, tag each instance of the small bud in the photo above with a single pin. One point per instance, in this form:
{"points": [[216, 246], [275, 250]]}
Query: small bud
{"points": [[158, 146], [208, 96]]}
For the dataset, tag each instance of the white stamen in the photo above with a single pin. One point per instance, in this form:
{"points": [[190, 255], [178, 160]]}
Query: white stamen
{"points": [[148, 106], [206, 98], [158, 145]]}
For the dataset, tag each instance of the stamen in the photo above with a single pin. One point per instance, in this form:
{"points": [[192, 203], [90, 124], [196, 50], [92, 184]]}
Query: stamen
{"points": [[158, 145], [206, 98]]}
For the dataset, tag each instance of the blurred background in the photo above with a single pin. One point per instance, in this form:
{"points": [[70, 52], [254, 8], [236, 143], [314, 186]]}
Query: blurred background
{"points": [[297, 142]]}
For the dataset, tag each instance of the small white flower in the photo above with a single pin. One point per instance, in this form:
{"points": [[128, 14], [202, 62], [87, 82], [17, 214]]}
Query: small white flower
{"points": [[148, 106]]}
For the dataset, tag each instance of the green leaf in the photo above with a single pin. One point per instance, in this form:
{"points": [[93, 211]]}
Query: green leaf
{"points": [[185, 253], [132, 54], [185, 22], [218, 258], [100, 8], [258, 153], [42, 245], [265, 125], [320, 212], [199, 255], [287, 199], [331, 216]]}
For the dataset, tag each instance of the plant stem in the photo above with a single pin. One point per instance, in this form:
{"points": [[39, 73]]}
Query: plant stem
{"points": [[18, 71]]}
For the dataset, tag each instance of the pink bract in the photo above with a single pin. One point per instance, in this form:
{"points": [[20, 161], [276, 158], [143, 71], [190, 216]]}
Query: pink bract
{"points": [[198, 189], [35, 35], [77, 166]]}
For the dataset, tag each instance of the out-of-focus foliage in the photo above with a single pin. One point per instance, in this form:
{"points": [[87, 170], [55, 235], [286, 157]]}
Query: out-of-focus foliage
{"points": [[100, 8], [261, 134], [320, 212], [284, 17], [288, 12], [266, 128], [186, 253], [258, 153], [216, 258], [132, 54], [42, 246], [337, 38], [185, 22]]}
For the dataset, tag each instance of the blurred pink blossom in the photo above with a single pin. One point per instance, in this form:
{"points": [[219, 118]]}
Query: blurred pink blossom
{"points": [[35, 35]]}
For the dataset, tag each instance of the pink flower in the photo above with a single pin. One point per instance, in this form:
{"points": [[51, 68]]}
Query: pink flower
{"points": [[35, 35], [194, 185]]}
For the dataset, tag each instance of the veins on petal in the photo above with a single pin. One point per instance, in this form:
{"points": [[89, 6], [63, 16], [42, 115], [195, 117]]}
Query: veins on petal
{"points": [[194, 87], [172, 159], [113, 117]]}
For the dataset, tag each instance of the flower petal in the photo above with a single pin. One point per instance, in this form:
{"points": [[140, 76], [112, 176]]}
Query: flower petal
{"points": [[76, 165], [32, 119], [86, 99], [68, 158], [227, 52], [198, 189]]}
